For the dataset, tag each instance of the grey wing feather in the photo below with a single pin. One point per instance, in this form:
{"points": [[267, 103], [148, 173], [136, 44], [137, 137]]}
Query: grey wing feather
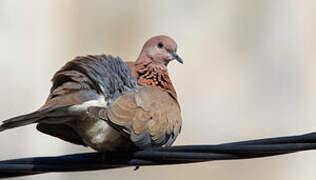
{"points": [[107, 75]]}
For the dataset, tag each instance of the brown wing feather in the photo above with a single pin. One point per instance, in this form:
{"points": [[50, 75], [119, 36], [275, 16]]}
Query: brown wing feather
{"points": [[151, 116]]}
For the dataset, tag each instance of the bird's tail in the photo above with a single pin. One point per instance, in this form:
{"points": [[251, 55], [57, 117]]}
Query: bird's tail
{"points": [[37, 116]]}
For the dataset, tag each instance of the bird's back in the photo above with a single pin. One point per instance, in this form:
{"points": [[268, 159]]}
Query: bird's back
{"points": [[92, 81], [89, 77]]}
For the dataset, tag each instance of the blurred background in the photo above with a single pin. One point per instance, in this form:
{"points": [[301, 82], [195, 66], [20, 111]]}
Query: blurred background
{"points": [[249, 73]]}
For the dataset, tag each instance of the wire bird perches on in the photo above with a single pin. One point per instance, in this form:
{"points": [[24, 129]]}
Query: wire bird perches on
{"points": [[159, 156]]}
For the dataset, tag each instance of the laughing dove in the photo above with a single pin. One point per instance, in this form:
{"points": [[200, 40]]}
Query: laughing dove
{"points": [[102, 102]]}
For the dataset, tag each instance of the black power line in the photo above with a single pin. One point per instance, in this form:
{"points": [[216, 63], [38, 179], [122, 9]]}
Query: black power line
{"points": [[159, 156]]}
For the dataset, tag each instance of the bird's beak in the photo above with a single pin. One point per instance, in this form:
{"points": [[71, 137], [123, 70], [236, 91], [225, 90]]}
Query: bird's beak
{"points": [[176, 57]]}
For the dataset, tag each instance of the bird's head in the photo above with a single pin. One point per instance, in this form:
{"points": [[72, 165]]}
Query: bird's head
{"points": [[159, 50]]}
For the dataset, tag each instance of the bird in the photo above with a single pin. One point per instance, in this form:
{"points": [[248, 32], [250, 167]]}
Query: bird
{"points": [[110, 105]]}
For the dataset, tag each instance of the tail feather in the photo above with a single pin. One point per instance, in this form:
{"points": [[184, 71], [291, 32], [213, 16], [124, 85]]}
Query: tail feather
{"points": [[35, 117], [20, 121]]}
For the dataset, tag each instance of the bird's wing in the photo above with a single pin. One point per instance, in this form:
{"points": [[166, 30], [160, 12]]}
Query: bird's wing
{"points": [[150, 117], [89, 78], [84, 81]]}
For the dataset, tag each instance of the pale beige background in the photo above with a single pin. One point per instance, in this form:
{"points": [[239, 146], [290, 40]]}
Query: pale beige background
{"points": [[249, 73]]}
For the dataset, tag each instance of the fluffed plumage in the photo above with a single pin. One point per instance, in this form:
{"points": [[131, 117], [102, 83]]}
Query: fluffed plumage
{"points": [[102, 102]]}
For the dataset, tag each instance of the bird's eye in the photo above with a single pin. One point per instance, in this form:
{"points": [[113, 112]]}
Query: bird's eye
{"points": [[160, 45]]}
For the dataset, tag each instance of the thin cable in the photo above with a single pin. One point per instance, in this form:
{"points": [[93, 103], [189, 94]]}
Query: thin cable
{"points": [[159, 156]]}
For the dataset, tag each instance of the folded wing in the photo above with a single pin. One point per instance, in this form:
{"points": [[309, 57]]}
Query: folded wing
{"points": [[150, 117]]}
